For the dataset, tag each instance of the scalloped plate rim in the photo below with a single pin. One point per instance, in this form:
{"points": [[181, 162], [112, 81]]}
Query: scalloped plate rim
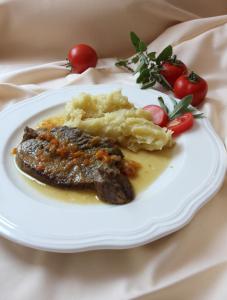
{"points": [[111, 240]]}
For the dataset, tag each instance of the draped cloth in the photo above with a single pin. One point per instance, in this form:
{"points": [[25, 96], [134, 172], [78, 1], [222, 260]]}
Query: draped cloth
{"points": [[190, 264]]}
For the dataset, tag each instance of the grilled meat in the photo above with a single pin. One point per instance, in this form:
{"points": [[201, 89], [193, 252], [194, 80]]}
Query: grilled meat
{"points": [[69, 158]]}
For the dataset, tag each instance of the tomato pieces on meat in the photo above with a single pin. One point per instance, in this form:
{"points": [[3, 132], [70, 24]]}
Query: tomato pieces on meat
{"points": [[181, 124], [159, 116]]}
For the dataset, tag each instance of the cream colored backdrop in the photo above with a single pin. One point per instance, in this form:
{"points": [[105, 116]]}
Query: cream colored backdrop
{"points": [[190, 264], [47, 28]]}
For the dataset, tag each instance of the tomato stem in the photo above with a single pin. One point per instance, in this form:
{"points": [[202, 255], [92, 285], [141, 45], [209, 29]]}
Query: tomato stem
{"points": [[193, 77], [68, 66], [174, 58]]}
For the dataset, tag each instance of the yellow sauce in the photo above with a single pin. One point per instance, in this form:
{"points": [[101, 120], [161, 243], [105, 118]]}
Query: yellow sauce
{"points": [[152, 165], [66, 195]]}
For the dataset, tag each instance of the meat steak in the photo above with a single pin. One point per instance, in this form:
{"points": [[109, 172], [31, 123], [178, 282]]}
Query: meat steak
{"points": [[70, 158]]}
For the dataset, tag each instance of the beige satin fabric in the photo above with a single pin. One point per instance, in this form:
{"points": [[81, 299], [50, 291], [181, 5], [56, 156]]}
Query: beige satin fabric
{"points": [[190, 264], [47, 29], [51, 27]]}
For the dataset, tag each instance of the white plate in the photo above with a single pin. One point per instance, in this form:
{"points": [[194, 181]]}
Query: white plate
{"points": [[29, 218]]}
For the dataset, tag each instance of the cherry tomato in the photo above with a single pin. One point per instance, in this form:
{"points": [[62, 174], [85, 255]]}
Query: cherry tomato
{"points": [[172, 69], [159, 116], [81, 57], [181, 123], [191, 84]]}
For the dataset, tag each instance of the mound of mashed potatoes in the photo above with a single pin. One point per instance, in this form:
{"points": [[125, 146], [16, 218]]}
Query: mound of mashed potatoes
{"points": [[112, 115]]}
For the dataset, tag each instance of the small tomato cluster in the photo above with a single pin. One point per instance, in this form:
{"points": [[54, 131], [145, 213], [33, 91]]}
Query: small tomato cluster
{"points": [[183, 82]]}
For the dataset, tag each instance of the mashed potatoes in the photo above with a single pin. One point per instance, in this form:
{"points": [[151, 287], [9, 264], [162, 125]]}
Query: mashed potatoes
{"points": [[113, 116]]}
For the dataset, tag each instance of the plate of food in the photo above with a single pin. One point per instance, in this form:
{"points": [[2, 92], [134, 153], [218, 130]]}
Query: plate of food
{"points": [[85, 167]]}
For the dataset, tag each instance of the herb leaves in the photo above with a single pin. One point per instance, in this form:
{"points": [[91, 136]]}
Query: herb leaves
{"points": [[146, 64], [180, 108]]}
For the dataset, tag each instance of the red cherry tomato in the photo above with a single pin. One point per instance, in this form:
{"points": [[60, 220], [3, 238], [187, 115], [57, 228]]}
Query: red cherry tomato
{"points": [[159, 116], [181, 123], [171, 70], [191, 84], [81, 57]]}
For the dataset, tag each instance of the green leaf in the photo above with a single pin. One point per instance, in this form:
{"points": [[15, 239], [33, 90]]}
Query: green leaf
{"points": [[165, 54], [191, 109], [142, 46], [139, 45], [162, 104], [125, 64], [198, 116], [188, 110], [135, 59], [135, 41], [142, 66], [181, 107], [121, 63], [152, 56], [173, 101], [186, 101], [164, 82], [143, 77]]}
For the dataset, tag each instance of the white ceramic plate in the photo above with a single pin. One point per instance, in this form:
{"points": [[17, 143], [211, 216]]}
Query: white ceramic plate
{"points": [[195, 174]]}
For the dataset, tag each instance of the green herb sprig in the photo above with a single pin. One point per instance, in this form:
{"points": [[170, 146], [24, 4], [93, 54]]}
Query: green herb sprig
{"points": [[147, 64], [180, 108]]}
